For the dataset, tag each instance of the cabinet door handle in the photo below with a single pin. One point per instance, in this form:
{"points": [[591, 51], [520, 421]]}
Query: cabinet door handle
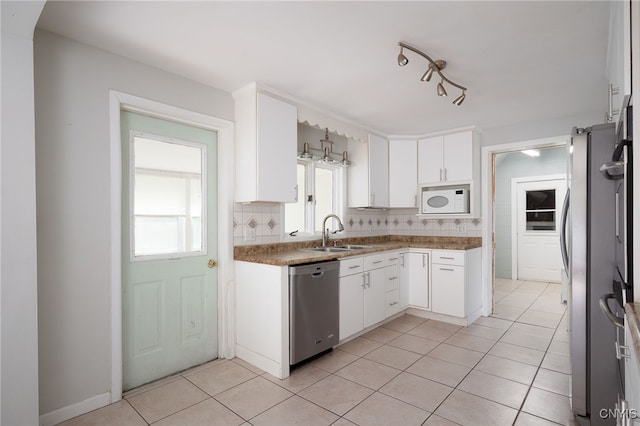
{"points": [[373, 198], [393, 303], [364, 281], [354, 267], [445, 175], [448, 258], [295, 191], [393, 258], [376, 261], [402, 260], [446, 269], [393, 278], [440, 175], [424, 260], [369, 279]]}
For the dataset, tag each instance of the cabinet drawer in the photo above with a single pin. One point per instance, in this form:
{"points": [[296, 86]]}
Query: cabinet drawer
{"points": [[448, 257], [393, 258], [352, 265], [393, 277], [375, 261], [393, 302]]}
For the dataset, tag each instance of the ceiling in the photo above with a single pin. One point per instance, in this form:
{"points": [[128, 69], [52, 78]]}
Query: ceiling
{"points": [[522, 61]]}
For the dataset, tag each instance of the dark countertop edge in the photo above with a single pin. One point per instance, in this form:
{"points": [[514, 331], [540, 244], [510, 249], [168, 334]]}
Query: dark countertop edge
{"points": [[297, 256], [633, 322]]}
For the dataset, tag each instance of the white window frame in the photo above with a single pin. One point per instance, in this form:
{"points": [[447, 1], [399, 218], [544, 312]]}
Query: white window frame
{"points": [[132, 179], [338, 191]]}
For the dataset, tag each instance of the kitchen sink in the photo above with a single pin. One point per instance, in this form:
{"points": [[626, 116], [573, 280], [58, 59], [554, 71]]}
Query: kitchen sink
{"points": [[336, 249], [354, 247], [328, 249]]}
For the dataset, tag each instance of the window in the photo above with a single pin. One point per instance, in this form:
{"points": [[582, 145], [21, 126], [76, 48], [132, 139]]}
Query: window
{"points": [[320, 192], [167, 193], [541, 210]]}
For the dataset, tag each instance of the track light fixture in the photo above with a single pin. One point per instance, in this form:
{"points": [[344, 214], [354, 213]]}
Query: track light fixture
{"points": [[402, 60], [434, 66]]}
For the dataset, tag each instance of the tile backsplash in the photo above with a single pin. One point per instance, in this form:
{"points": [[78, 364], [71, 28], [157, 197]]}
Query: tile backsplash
{"points": [[262, 224]]}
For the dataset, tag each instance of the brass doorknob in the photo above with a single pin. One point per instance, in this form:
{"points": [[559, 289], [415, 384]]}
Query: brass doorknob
{"points": [[212, 263]]}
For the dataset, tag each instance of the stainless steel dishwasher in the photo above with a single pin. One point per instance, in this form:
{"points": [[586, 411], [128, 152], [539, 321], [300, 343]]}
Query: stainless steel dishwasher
{"points": [[314, 312]]}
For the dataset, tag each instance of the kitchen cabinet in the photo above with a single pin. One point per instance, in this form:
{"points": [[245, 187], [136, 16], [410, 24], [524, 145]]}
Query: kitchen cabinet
{"points": [[265, 147], [392, 280], [414, 279], [363, 292], [631, 373], [262, 316], [456, 285], [619, 55], [451, 157], [368, 175], [403, 173]]}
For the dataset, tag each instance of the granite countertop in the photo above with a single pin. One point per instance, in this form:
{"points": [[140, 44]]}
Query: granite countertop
{"points": [[294, 253], [632, 312]]}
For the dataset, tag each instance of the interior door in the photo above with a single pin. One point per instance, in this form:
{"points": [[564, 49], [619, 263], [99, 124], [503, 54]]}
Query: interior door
{"points": [[539, 205], [169, 235]]}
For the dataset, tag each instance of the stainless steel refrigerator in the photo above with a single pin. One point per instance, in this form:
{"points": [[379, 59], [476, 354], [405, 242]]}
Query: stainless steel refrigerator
{"points": [[590, 261]]}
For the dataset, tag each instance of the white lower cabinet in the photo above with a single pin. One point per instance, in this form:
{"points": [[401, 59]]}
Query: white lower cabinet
{"points": [[455, 286], [351, 306], [447, 290], [631, 378], [414, 279], [375, 296], [366, 295]]}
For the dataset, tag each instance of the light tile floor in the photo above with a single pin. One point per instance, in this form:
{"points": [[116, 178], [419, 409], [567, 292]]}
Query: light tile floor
{"points": [[508, 369]]}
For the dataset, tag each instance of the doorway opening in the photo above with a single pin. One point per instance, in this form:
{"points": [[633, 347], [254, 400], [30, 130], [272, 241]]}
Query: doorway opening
{"points": [[503, 166]]}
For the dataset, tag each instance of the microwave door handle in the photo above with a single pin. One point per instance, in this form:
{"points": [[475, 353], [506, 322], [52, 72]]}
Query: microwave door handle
{"points": [[563, 232]]}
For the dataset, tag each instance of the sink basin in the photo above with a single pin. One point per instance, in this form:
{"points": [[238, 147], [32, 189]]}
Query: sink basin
{"points": [[355, 247], [336, 249], [329, 249]]}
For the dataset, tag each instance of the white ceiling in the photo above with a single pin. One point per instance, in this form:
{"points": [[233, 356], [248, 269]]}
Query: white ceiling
{"points": [[522, 61]]}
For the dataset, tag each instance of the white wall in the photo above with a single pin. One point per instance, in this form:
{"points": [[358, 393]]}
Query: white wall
{"points": [[552, 161], [72, 83], [18, 274]]}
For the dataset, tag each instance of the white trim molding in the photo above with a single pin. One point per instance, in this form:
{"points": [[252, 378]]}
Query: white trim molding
{"points": [[225, 131], [488, 210]]}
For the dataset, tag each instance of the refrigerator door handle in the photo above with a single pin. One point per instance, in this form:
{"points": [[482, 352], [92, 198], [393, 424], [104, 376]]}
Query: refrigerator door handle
{"points": [[563, 232], [606, 310]]}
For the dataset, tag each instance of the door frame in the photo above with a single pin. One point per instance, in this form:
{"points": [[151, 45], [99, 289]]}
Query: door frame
{"points": [[225, 181], [487, 159], [514, 212]]}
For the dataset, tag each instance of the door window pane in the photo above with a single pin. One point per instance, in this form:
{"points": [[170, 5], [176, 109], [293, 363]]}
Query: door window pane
{"points": [[541, 210], [541, 199], [167, 197]]}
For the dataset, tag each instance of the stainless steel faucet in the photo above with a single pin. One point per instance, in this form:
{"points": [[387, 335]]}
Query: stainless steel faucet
{"points": [[325, 230]]}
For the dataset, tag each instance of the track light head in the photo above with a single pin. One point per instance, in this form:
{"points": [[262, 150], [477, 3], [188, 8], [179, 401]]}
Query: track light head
{"points": [[427, 75], [457, 101], [441, 89], [402, 60]]}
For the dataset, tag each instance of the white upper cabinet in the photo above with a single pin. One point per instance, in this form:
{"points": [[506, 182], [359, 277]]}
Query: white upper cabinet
{"points": [[368, 175], [619, 54], [403, 173], [266, 147], [447, 158]]}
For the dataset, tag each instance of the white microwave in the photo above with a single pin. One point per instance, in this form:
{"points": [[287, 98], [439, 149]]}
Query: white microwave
{"points": [[447, 201]]}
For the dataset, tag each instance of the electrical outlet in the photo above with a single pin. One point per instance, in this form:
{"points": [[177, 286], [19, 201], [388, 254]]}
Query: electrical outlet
{"points": [[249, 234], [462, 228]]}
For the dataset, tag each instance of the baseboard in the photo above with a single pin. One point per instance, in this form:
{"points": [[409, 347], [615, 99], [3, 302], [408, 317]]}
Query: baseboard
{"points": [[262, 362], [74, 410]]}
